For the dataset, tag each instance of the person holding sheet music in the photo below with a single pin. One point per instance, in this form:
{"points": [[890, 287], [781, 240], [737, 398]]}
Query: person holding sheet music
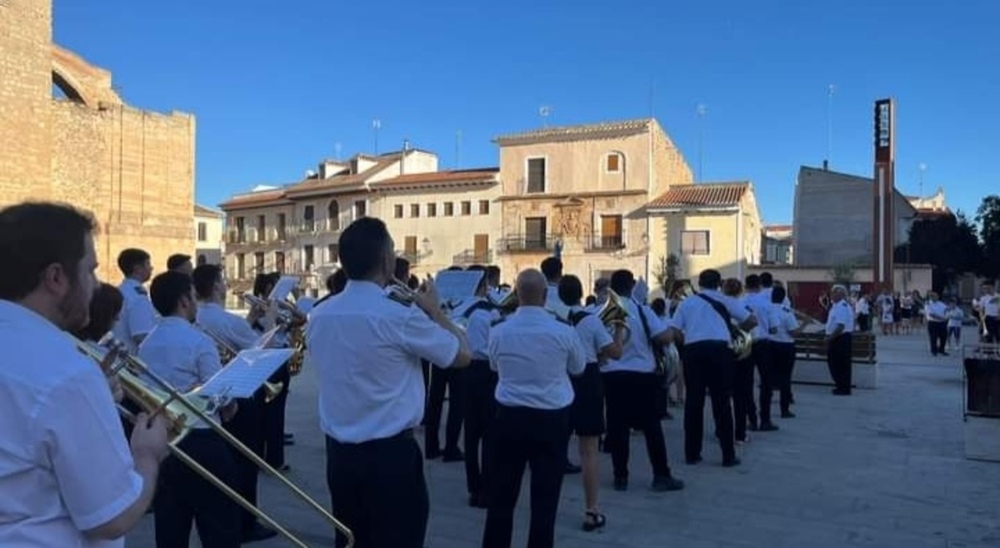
{"points": [[185, 357], [275, 438], [248, 424], [630, 390], [587, 412], [366, 345]]}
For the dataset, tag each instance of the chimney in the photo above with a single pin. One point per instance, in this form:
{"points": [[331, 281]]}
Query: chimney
{"points": [[402, 157], [826, 165]]}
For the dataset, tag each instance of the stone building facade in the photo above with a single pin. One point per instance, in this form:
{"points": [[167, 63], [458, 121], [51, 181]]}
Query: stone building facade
{"points": [[132, 168]]}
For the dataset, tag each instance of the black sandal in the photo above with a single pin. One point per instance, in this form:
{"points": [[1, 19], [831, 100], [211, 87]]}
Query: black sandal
{"points": [[595, 520]]}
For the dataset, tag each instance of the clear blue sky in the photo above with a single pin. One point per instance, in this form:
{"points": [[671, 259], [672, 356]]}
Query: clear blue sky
{"points": [[275, 86]]}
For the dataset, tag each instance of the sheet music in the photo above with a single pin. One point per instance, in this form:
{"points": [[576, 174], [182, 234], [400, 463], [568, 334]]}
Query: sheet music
{"points": [[283, 288], [247, 372], [455, 286]]}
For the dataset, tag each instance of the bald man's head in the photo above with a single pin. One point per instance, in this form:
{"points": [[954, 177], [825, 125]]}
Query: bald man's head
{"points": [[531, 288]]}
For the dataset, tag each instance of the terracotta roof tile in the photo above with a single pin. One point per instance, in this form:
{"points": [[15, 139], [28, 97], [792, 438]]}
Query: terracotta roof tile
{"points": [[455, 177], [205, 211], [579, 131], [255, 199], [701, 195]]}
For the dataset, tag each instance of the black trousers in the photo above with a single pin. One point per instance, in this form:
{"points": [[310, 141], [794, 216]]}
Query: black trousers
{"points": [[452, 380], [537, 438], [838, 360], [630, 399], [783, 362], [937, 332], [992, 330], [864, 322], [480, 412], [183, 497], [711, 366], [248, 427], [744, 409], [377, 490], [274, 420], [761, 356]]}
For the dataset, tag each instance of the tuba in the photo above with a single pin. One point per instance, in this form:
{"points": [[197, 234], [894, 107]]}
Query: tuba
{"points": [[613, 314], [182, 411]]}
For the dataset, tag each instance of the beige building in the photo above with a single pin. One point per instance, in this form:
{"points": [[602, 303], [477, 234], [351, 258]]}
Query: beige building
{"points": [[582, 190], [778, 245], [295, 229], [707, 225], [70, 137], [208, 235]]}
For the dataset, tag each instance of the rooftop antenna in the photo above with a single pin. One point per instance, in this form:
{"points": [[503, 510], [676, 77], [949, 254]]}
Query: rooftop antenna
{"points": [[829, 123], [701, 109], [458, 149], [545, 112], [922, 167], [376, 125]]}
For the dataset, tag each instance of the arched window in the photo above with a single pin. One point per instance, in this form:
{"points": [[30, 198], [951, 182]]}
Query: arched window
{"points": [[333, 213]]}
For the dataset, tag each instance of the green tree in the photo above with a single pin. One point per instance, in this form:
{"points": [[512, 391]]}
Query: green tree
{"points": [[948, 243], [666, 272], [988, 217], [842, 273]]}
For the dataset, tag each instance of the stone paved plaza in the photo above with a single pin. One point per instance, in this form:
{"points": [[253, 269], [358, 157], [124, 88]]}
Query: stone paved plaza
{"points": [[883, 468]]}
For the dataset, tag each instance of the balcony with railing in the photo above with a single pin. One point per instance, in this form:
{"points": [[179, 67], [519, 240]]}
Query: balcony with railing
{"points": [[472, 256], [254, 237], [606, 242], [319, 226], [527, 243]]}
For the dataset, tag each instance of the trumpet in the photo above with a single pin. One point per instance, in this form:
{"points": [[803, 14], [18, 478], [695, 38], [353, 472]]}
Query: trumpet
{"points": [[228, 353], [182, 411], [397, 290], [291, 320]]}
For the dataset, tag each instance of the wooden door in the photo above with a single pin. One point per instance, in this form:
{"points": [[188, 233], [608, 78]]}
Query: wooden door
{"points": [[481, 248], [611, 231]]}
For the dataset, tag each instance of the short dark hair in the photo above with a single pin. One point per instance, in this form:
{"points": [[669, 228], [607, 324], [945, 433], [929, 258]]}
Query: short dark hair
{"points": [[107, 303], [622, 282], [337, 281], [131, 258], [36, 235], [591, 300], [167, 289], [778, 295], [752, 281], [362, 247], [709, 279], [177, 260], [659, 306], [570, 290], [732, 287], [413, 283], [493, 273], [204, 277], [402, 271], [264, 283], [552, 268], [766, 280], [454, 268]]}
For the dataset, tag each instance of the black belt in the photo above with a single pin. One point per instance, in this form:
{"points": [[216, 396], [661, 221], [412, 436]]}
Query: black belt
{"points": [[406, 433], [712, 344]]}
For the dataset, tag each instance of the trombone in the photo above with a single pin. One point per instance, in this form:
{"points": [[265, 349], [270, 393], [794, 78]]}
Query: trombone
{"points": [[181, 410], [613, 314]]}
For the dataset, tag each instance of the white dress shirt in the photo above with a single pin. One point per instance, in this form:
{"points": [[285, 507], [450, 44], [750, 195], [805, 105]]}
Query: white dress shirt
{"points": [[990, 305], [137, 318], [366, 349], [759, 304], [180, 354], [699, 321], [955, 316], [65, 466], [862, 307], [637, 353], [554, 304], [228, 327], [840, 314], [478, 315], [532, 352], [781, 322], [594, 337], [936, 308]]}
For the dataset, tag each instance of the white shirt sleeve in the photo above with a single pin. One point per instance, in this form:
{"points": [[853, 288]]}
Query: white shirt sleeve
{"points": [[577, 361], [493, 347], [242, 335], [208, 359], [82, 437], [140, 317], [426, 339]]}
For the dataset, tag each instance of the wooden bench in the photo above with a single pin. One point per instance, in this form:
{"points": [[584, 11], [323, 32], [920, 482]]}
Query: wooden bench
{"points": [[810, 360]]}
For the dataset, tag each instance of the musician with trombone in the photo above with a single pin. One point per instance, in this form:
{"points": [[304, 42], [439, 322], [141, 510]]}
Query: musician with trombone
{"points": [[702, 322], [69, 476], [186, 358], [234, 334], [630, 389], [366, 345]]}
